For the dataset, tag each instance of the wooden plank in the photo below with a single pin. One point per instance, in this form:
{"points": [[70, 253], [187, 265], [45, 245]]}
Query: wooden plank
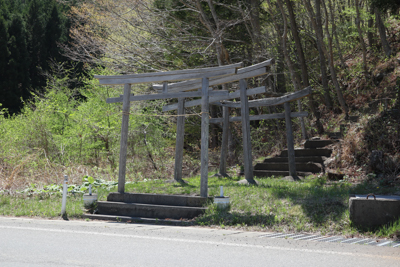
{"points": [[196, 84], [290, 142], [263, 117], [180, 134], [236, 94], [248, 160], [272, 101], [165, 87], [173, 72], [124, 139], [204, 139], [176, 77], [264, 64], [220, 93], [224, 145], [168, 75]]}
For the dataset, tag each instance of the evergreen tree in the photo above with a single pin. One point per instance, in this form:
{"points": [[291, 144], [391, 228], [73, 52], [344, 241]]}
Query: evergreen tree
{"points": [[4, 10], [37, 51], [54, 34], [4, 54], [17, 85]]}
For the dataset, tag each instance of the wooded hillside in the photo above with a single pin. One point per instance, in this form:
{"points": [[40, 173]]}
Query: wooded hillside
{"points": [[348, 51]]}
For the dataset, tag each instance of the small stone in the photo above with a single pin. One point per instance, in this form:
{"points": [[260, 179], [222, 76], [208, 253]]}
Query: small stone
{"points": [[245, 182], [292, 179]]}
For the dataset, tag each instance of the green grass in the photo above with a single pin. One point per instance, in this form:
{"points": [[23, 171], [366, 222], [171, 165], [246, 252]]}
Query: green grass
{"points": [[312, 205]]}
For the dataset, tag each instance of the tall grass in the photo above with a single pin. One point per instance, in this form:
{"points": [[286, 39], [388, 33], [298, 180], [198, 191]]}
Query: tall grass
{"points": [[75, 132]]}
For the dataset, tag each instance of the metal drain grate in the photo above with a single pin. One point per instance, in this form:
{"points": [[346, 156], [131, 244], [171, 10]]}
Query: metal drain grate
{"points": [[336, 239]]}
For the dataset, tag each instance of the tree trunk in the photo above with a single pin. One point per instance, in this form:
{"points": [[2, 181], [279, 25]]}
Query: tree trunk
{"points": [[382, 33], [283, 39], [289, 62], [322, 60], [317, 24], [280, 69], [338, 47], [371, 30], [360, 36], [255, 25], [299, 47]]}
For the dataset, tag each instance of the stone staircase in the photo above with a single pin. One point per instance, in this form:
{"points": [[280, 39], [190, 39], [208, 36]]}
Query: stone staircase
{"points": [[148, 207], [309, 160]]}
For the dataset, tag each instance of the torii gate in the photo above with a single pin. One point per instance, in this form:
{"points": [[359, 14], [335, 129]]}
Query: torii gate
{"points": [[245, 118], [209, 77], [244, 104]]}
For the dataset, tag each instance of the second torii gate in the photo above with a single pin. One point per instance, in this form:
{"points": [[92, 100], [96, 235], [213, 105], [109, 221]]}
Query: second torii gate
{"points": [[244, 105]]}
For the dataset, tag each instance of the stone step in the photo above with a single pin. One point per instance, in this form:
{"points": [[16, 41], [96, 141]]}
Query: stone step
{"points": [[308, 152], [148, 210], [317, 159], [335, 135], [318, 143], [261, 173], [303, 167], [158, 199]]}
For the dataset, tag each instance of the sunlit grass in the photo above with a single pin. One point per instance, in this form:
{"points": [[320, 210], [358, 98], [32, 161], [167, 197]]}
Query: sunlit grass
{"points": [[311, 205]]}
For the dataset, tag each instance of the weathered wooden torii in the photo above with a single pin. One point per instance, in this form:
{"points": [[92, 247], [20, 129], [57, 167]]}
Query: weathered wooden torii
{"points": [[244, 104], [200, 79]]}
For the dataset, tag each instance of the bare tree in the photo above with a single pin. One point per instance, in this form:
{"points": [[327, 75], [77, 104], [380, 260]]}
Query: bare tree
{"points": [[360, 36], [382, 33], [317, 24]]}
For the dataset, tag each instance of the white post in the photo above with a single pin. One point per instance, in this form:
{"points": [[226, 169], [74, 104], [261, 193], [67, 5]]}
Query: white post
{"points": [[64, 197]]}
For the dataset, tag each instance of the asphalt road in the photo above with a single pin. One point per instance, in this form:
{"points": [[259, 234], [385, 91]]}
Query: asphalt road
{"points": [[34, 242]]}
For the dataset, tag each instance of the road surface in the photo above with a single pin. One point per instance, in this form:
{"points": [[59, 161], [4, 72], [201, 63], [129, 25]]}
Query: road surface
{"points": [[37, 242]]}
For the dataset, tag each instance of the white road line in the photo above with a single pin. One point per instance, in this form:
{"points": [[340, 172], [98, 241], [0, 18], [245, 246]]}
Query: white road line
{"points": [[384, 243], [307, 236], [322, 238], [359, 241], [335, 239], [296, 236], [279, 236]]}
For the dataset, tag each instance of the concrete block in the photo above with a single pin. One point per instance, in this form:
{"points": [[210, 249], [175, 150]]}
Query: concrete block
{"points": [[148, 210], [374, 212], [158, 199]]}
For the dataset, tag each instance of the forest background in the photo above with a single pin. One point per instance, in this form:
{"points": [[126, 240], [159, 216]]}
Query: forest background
{"points": [[54, 119]]}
